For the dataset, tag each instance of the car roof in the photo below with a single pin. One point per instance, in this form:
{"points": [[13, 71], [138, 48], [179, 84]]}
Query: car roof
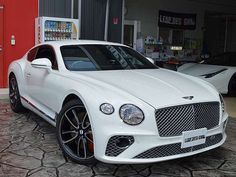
{"points": [[80, 42]]}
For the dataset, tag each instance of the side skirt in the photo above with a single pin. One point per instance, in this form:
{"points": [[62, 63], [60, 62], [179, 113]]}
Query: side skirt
{"points": [[39, 112]]}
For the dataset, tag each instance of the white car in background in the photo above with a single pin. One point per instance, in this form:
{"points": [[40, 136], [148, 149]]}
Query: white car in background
{"points": [[219, 70], [110, 103]]}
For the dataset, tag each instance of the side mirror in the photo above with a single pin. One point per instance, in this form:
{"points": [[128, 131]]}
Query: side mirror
{"points": [[43, 63], [151, 60]]}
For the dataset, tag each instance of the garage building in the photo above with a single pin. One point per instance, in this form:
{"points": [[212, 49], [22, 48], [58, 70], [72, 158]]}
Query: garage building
{"points": [[148, 26]]}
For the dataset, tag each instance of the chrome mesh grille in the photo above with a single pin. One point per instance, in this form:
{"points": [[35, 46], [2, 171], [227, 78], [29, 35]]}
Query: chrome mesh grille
{"points": [[172, 121], [175, 149], [112, 149], [210, 141]]}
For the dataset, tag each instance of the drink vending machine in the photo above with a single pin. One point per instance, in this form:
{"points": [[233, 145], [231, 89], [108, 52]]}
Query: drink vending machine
{"points": [[55, 29]]}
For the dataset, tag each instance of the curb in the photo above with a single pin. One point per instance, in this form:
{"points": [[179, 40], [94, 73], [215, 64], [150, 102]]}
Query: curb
{"points": [[4, 94]]}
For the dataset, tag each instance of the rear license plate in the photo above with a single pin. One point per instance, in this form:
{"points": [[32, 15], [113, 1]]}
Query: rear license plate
{"points": [[194, 138]]}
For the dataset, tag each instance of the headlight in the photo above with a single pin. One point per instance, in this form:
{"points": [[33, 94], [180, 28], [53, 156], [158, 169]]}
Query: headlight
{"points": [[107, 108], [222, 102], [213, 74], [131, 114]]}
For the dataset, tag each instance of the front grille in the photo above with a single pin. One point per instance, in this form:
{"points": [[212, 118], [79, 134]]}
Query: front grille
{"points": [[172, 121], [112, 149], [175, 149]]}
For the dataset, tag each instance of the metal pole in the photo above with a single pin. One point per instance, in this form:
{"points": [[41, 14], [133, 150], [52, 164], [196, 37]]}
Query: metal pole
{"points": [[106, 21], [79, 15], [226, 33], [72, 8], [123, 22]]}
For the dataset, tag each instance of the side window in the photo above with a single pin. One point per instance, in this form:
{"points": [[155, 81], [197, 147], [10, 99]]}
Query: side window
{"points": [[76, 60], [32, 54], [48, 52]]}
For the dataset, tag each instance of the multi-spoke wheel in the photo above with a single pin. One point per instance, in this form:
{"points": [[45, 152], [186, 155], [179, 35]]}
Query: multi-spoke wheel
{"points": [[14, 95], [232, 86], [74, 133]]}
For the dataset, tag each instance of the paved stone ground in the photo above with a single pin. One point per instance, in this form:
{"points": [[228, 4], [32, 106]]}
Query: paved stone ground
{"points": [[28, 148]]}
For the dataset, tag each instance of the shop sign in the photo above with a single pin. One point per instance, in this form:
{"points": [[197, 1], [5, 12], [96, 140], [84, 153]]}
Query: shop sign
{"points": [[177, 20]]}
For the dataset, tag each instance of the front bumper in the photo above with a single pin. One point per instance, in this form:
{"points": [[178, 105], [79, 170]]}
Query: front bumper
{"points": [[143, 143]]}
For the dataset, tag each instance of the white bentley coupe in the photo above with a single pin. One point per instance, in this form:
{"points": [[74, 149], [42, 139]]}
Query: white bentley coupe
{"points": [[219, 70], [110, 103]]}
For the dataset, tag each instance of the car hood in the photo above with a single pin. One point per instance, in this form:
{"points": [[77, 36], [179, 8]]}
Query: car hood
{"points": [[157, 87], [199, 69]]}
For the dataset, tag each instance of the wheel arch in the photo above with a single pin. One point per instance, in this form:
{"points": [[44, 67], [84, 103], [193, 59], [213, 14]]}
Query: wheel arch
{"points": [[73, 94], [233, 75], [11, 74], [71, 97], [231, 78], [16, 70]]}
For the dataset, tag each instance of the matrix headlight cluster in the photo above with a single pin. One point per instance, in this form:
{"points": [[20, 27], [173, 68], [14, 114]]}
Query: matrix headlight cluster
{"points": [[222, 102], [210, 75], [131, 114]]}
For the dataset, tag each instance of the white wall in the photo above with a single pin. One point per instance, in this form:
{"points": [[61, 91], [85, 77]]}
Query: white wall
{"points": [[147, 12]]}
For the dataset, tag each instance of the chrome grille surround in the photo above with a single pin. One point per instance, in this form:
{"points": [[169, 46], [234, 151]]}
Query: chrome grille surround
{"points": [[172, 121], [112, 149], [175, 149]]}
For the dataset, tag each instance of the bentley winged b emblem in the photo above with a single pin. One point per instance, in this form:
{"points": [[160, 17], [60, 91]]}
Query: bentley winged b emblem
{"points": [[188, 97]]}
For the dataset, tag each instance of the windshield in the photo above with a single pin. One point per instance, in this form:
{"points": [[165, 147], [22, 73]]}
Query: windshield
{"points": [[103, 57]]}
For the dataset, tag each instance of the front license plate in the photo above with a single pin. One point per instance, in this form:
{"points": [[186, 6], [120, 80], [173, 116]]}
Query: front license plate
{"points": [[194, 138]]}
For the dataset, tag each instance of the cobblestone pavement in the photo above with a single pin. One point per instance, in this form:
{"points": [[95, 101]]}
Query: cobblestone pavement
{"points": [[28, 148]]}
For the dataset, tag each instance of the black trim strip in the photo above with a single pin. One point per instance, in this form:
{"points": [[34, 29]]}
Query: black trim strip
{"points": [[31, 104], [210, 75]]}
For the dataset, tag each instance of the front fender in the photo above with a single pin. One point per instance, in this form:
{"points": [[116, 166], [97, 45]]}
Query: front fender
{"points": [[16, 69], [185, 66]]}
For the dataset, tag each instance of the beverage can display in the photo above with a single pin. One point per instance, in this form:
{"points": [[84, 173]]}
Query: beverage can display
{"points": [[56, 30]]}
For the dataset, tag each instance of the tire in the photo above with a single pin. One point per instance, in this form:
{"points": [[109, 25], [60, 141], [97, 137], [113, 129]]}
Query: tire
{"points": [[232, 86], [14, 95], [74, 133]]}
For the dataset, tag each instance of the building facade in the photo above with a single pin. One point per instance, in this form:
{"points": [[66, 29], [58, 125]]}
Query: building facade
{"points": [[132, 22]]}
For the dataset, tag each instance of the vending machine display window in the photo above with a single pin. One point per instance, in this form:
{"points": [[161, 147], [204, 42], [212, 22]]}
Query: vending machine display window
{"points": [[55, 29]]}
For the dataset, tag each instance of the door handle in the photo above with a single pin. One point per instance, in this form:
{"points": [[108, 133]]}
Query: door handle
{"points": [[28, 74]]}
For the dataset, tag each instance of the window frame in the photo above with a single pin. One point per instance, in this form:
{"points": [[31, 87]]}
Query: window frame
{"points": [[54, 66], [32, 50]]}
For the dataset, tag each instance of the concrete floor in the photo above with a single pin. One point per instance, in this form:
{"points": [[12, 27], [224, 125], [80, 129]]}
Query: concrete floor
{"points": [[28, 148]]}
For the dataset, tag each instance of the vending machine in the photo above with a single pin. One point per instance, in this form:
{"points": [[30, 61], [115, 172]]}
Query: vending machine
{"points": [[55, 29]]}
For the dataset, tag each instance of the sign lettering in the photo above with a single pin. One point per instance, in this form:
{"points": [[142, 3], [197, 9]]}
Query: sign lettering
{"points": [[177, 20]]}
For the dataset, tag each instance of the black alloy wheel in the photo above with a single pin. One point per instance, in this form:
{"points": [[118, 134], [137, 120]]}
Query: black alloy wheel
{"points": [[232, 86], [74, 133], [14, 95]]}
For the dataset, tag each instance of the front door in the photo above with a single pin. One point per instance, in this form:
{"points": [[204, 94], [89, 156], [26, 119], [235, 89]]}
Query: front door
{"points": [[42, 84], [1, 47], [131, 29], [129, 35]]}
